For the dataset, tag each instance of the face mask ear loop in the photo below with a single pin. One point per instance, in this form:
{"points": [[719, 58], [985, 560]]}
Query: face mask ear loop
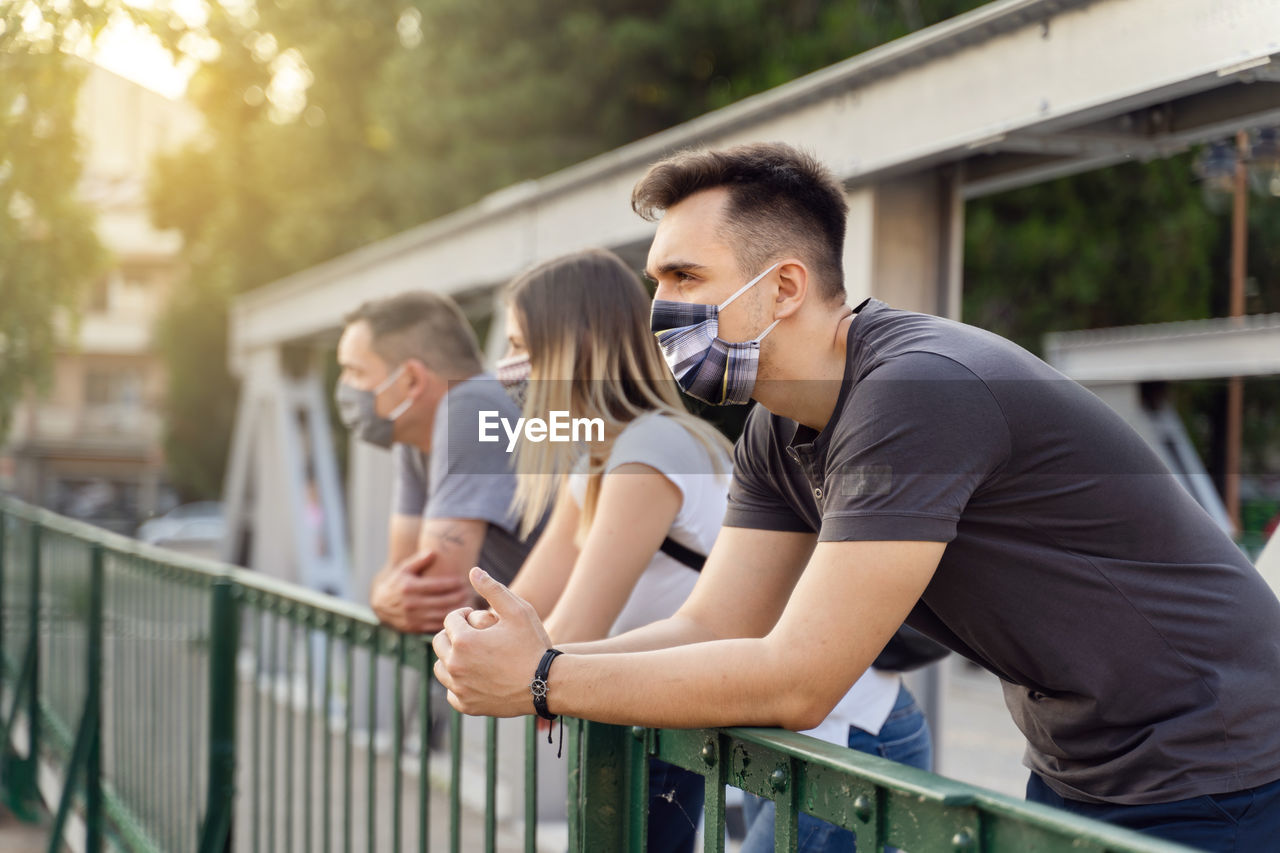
{"points": [[400, 409], [403, 405], [386, 383], [760, 337], [746, 287]]}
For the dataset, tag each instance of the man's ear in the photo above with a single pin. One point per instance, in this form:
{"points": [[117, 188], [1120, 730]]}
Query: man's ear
{"points": [[793, 288], [422, 379]]}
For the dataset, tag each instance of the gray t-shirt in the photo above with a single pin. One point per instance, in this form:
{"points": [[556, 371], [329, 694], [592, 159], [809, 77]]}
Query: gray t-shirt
{"points": [[463, 477], [1138, 649]]}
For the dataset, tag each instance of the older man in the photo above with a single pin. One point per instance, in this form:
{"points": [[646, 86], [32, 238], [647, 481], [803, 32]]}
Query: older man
{"points": [[412, 378]]}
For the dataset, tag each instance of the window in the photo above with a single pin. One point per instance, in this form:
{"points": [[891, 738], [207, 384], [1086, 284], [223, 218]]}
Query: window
{"points": [[99, 295], [119, 387]]}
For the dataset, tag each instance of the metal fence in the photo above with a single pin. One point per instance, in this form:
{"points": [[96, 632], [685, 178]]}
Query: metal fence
{"points": [[151, 701]]}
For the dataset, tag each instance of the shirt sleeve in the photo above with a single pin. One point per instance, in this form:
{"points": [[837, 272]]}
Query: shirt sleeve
{"points": [[469, 478], [754, 500], [917, 438], [408, 486], [664, 444]]}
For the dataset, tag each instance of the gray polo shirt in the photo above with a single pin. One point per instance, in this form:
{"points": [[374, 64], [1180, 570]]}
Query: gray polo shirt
{"points": [[463, 477], [1138, 649]]}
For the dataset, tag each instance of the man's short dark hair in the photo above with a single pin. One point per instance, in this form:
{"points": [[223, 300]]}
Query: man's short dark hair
{"points": [[781, 201], [421, 325]]}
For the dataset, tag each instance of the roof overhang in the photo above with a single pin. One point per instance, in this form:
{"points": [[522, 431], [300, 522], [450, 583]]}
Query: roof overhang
{"points": [[1199, 349]]}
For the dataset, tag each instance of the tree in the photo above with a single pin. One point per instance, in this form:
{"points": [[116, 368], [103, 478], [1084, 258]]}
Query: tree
{"points": [[1119, 246], [48, 248]]}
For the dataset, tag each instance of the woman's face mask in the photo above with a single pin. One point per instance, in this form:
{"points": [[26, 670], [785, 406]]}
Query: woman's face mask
{"points": [[513, 373], [722, 373], [358, 410]]}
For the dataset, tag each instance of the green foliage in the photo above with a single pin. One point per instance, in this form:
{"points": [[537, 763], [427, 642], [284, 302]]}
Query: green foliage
{"points": [[48, 249], [193, 329], [1125, 245], [416, 109], [1131, 244]]}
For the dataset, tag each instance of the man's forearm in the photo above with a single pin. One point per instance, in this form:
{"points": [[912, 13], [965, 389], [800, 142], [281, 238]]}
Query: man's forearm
{"points": [[663, 634], [721, 683]]}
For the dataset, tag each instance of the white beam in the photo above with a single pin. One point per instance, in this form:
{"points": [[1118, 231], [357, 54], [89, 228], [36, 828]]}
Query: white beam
{"points": [[1201, 349]]}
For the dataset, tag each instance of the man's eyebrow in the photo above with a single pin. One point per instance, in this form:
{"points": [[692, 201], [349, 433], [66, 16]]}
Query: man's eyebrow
{"points": [[674, 266]]}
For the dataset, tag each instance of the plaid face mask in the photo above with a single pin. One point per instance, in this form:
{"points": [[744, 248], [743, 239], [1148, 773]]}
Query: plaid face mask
{"points": [[722, 373]]}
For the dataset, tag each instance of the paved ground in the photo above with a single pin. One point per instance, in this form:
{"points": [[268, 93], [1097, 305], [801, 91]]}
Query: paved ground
{"points": [[979, 742], [18, 837]]}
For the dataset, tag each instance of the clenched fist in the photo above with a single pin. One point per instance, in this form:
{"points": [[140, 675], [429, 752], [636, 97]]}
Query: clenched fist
{"points": [[487, 666]]}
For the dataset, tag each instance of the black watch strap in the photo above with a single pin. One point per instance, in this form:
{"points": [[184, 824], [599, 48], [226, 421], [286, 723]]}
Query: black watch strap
{"points": [[539, 685]]}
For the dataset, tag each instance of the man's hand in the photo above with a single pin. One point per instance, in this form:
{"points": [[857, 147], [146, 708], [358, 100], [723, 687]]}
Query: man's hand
{"points": [[482, 619], [410, 598], [488, 670]]}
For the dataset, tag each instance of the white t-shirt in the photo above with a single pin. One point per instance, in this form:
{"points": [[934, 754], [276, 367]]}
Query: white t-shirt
{"points": [[661, 443], [866, 705]]}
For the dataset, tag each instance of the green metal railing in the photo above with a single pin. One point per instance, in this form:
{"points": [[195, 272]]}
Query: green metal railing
{"points": [[181, 704]]}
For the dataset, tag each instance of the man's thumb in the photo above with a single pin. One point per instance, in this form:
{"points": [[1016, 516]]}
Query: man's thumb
{"points": [[503, 601], [419, 562]]}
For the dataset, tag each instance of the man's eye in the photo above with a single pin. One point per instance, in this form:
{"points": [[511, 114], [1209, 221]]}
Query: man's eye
{"points": [[681, 275]]}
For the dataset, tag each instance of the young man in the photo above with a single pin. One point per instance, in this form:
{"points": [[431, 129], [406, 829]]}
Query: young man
{"points": [[900, 466], [411, 376]]}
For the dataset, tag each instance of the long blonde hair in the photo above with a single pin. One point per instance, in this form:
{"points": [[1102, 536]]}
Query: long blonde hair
{"points": [[585, 318]]}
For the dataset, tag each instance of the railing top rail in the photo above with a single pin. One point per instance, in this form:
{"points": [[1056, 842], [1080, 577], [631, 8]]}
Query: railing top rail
{"points": [[948, 792], [197, 567]]}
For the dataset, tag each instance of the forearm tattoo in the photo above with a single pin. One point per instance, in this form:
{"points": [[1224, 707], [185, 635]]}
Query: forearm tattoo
{"points": [[449, 535]]}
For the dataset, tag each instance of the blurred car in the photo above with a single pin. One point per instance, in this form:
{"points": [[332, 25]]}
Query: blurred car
{"points": [[194, 528]]}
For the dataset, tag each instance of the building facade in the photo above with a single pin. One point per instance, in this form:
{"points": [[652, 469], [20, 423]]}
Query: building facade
{"points": [[90, 444]]}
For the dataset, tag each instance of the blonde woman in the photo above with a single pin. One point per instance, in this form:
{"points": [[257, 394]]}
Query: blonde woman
{"points": [[635, 508]]}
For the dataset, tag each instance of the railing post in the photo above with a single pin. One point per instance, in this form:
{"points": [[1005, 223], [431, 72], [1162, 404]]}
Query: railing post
{"points": [[18, 775], [601, 810], [93, 702], [86, 754], [4, 558], [33, 649], [224, 645]]}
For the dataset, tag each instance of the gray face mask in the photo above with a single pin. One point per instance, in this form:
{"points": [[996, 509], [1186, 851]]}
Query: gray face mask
{"points": [[359, 412]]}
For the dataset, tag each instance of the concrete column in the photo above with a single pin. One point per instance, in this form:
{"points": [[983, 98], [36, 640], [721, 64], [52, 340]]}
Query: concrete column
{"points": [[280, 472], [905, 240], [904, 245], [369, 474]]}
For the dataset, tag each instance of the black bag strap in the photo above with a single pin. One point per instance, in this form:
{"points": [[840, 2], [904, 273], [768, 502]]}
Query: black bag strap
{"points": [[680, 553]]}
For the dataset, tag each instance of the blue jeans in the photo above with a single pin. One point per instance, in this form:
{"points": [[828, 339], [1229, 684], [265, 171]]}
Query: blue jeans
{"points": [[1236, 822], [675, 807], [904, 738]]}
